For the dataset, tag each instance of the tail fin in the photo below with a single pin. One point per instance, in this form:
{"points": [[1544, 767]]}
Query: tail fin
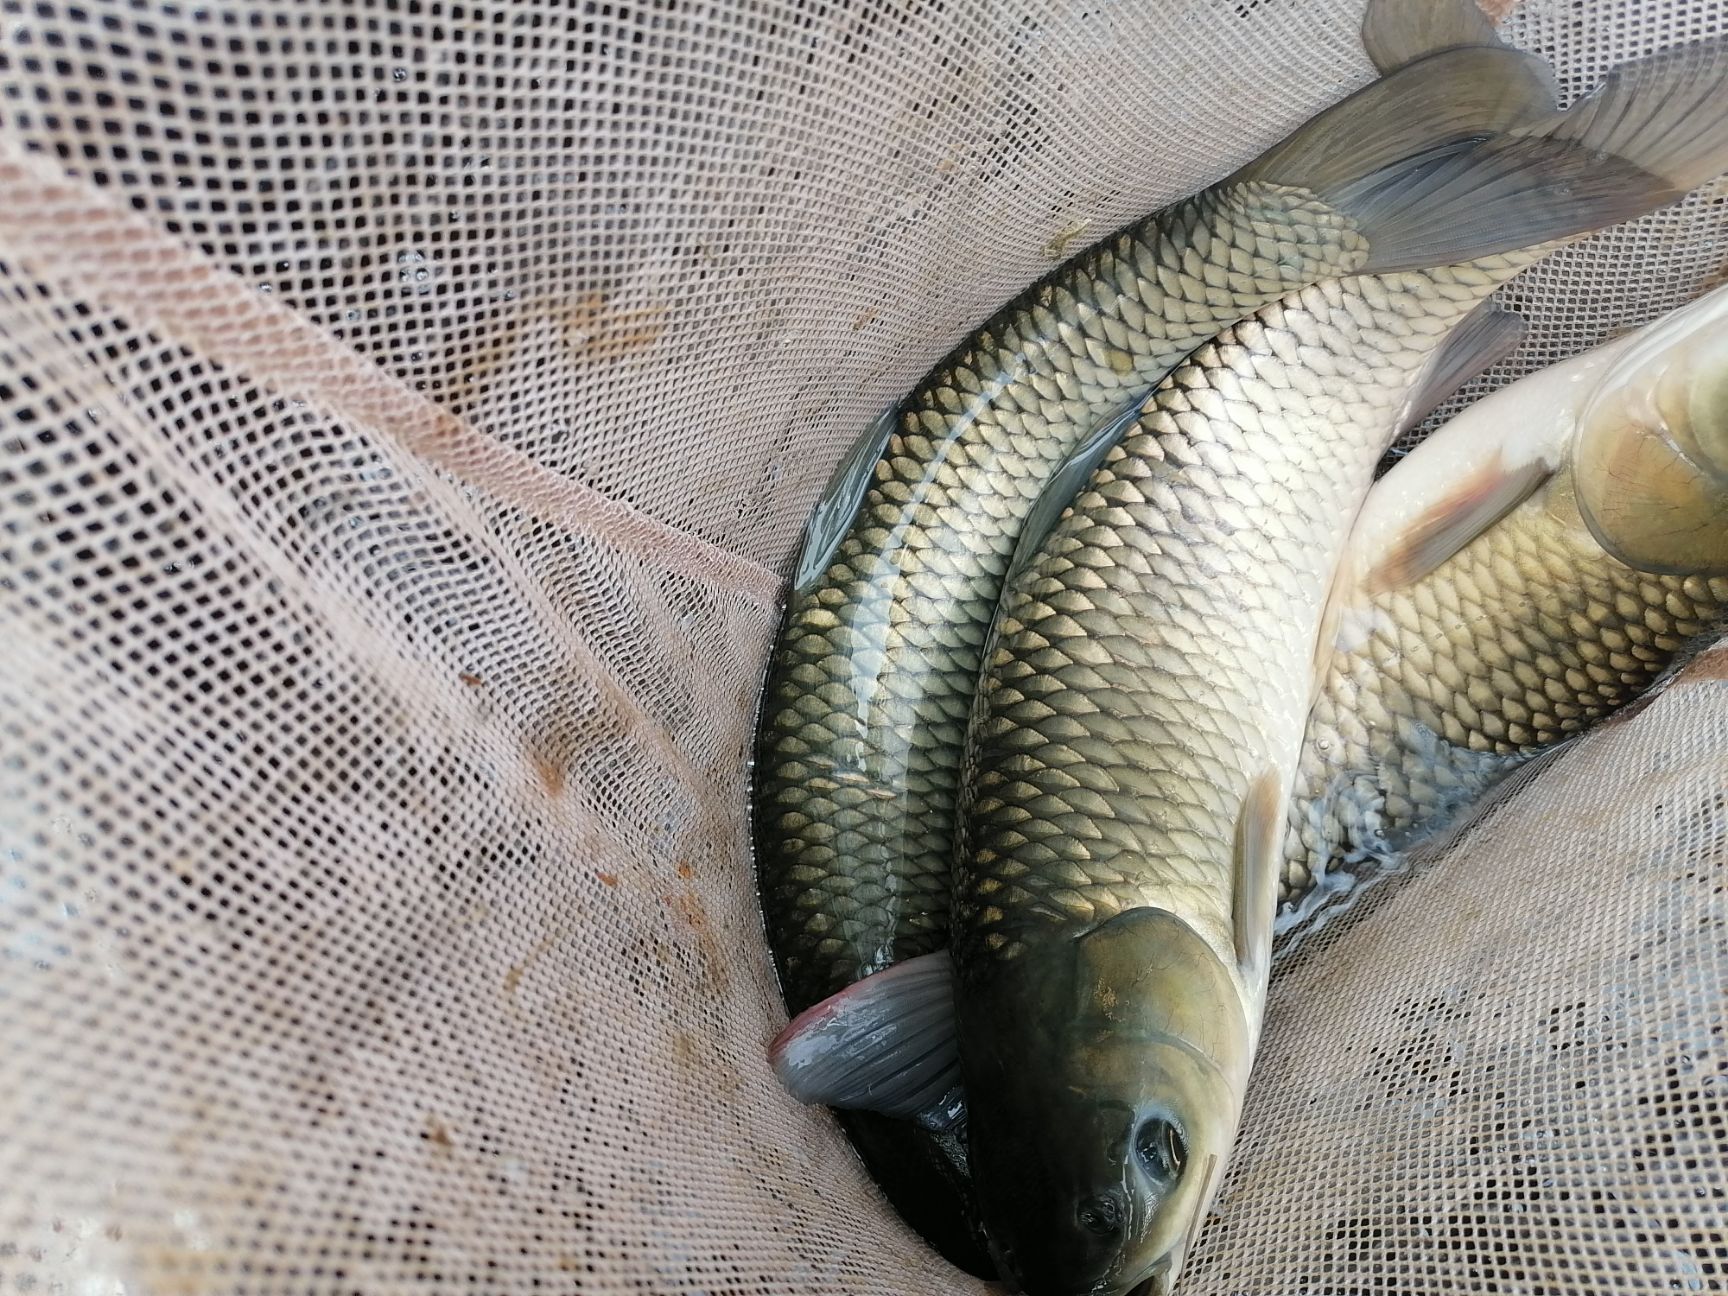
{"points": [[1419, 111], [1654, 129], [1667, 114], [1398, 32]]}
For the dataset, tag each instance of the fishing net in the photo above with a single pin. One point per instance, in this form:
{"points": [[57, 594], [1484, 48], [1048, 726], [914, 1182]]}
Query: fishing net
{"points": [[406, 411]]}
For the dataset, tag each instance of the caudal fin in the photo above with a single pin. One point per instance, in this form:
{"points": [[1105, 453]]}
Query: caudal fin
{"points": [[1666, 114], [1653, 129], [1410, 117], [1398, 32]]}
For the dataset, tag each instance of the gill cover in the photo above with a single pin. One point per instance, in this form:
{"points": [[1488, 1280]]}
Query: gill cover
{"points": [[1105, 1077], [1650, 464]]}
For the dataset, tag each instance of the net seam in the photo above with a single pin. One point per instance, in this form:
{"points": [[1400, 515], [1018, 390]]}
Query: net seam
{"points": [[337, 609], [72, 231]]}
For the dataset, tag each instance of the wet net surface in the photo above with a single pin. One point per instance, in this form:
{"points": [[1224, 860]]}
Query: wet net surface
{"points": [[405, 413]]}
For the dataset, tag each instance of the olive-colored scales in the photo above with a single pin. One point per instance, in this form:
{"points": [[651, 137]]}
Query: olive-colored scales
{"points": [[1152, 659], [1478, 620], [872, 675], [1136, 735], [1523, 631], [866, 705], [876, 664], [864, 710]]}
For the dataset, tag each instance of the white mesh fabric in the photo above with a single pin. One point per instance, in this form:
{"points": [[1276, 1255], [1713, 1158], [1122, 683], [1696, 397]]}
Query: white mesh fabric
{"points": [[405, 411]]}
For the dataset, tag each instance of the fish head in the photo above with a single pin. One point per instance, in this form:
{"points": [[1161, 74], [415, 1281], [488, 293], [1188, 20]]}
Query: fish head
{"points": [[1104, 1077], [1650, 463]]}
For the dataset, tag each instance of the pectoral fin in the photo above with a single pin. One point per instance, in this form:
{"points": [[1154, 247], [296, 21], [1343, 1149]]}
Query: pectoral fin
{"points": [[1444, 528], [1259, 836], [838, 504], [884, 1044]]}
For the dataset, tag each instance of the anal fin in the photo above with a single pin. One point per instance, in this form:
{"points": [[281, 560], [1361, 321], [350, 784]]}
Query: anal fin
{"points": [[885, 1044], [1258, 860]]}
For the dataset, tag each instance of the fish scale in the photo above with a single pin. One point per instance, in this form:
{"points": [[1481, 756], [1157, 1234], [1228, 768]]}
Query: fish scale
{"points": [[1527, 636], [865, 708], [1195, 562]]}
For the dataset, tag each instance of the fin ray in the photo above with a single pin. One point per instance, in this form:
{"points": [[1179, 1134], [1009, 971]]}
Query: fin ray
{"points": [[1667, 113]]}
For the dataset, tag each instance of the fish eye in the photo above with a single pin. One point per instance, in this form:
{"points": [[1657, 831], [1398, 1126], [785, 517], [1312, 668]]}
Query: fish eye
{"points": [[1161, 1148]]}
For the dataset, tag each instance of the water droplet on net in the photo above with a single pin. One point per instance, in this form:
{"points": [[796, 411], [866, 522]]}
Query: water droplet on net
{"points": [[414, 270], [399, 74]]}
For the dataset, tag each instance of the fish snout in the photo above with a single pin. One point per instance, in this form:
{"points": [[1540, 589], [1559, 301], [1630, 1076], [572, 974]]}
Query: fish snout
{"points": [[1102, 1218], [1155, 1284]]}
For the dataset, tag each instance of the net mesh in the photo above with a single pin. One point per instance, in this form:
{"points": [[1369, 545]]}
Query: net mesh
{"points": [[405, 411]]}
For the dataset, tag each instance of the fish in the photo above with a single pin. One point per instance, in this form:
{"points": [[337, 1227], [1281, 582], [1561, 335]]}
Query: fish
{"points": [[1471, 567], [871, 676], [1137, 727], [1541, 561], [874, 667], [1141, 712]]}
